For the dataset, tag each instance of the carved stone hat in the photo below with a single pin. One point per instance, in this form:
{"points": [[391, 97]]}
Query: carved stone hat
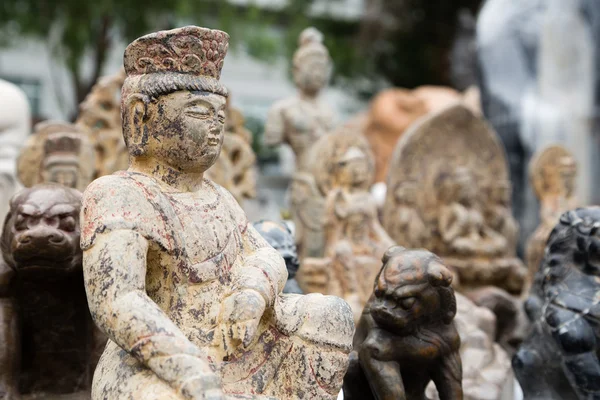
{"points": [[188, 58]]}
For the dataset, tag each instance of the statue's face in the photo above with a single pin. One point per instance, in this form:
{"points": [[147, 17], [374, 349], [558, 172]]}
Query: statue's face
{"points": [[186, 129], [313, 74], [354, 172]]}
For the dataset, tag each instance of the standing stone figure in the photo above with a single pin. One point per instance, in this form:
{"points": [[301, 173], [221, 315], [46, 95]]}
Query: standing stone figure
{"points": [[15, 126], [559, 358], [552, 173], [300, 121], [186, 289], [57, 152]]}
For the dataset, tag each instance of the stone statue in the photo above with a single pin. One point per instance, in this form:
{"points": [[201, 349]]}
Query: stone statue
{"points": [[278, 235], [186, 289], [15, 126], [50, 344], [559, 358], [299, 121], [552, 173], [100, 114], [450, 194], [354, 238], [406, 336], [235, 167], [57, 152]]}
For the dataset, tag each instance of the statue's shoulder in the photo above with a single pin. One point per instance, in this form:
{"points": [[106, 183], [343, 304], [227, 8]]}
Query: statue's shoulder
{"points": [[120, 201]]}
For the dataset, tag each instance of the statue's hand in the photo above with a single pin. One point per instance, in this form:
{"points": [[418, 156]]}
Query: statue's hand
{"points": [[242, 312], [203, 387]]}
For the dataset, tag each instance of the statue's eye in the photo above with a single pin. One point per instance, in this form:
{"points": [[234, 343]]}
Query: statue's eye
{"points": [[222, 117], [407, 303], [67, 223], [200, 112], [21, 222]]}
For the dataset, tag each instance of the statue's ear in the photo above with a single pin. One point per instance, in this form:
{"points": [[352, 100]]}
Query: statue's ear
{"points": [[134, 122]]}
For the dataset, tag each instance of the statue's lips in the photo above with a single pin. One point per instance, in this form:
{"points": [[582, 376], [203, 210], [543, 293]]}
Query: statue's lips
{"points": [[213, 141]]}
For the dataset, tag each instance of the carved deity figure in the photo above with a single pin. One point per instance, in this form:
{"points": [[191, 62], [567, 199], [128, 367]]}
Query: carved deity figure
{"points": [[187, 290], [235, 167], [100, 114], [15, 126], [57, 152], [354, 238], [300, 120], [552, 173], [406, 337], [559, 358], [48, 343], [450, 194]]}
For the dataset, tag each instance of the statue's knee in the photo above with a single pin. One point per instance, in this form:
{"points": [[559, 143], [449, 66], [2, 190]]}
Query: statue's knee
{"points": [[525, 360], [326, 320]]}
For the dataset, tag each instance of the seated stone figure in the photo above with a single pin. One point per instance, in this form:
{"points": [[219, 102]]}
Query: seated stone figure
{"points": [[354, 239], [186, 289]]}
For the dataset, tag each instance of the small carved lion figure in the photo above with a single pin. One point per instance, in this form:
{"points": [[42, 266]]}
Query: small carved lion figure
{"points": [[49, 345], [406, 336]]}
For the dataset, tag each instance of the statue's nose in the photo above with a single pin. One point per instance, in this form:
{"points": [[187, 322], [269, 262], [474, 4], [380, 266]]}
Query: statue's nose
{"points": [[42, 236]]}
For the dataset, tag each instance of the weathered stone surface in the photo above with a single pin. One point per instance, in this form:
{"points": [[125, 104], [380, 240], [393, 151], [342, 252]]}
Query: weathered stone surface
{"points": [[354, 239], [406, 336], [300, 120], [552, 174], [15, 126], [449, 192], [559, 358], [100, 115], [49, 345], [57, 152], [186, 289]]}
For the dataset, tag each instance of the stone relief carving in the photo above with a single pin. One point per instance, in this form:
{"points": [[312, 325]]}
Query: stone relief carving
{"points": [[57, 152], [343, 167], [100, 114], [552, 174], [186, 289], [450, 193]]}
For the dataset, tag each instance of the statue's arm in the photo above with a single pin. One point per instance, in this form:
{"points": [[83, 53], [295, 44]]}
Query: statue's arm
{"points": [[115, 275], [383, 373], [449, 224], [274, 126]]}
